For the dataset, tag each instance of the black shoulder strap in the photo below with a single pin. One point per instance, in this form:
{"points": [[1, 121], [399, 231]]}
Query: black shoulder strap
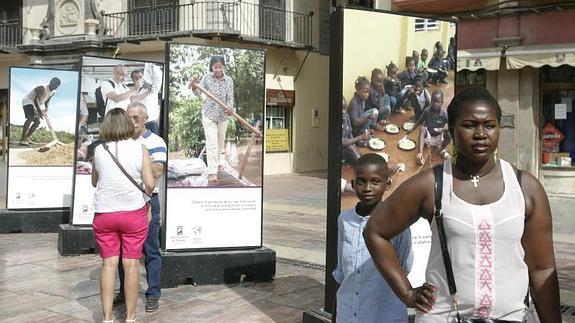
{"points": [[438, 188], [113, 86], [438, 194]]}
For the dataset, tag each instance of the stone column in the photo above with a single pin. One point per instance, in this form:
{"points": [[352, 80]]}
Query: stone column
{"points": [[508, 97]]}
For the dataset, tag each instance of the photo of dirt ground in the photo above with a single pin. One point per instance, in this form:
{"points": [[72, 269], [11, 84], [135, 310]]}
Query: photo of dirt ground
{"points": [[55, 156], [42, 149]]}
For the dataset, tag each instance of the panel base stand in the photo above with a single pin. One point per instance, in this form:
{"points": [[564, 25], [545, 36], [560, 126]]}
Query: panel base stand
{"points": [[75, 240], [316, 316], [217, 267], [32, 221]]}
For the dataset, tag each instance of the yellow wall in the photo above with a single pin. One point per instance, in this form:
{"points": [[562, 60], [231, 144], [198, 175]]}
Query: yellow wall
{"points": [[5, 64], [312, 92], [369, 42], [373, 39]]}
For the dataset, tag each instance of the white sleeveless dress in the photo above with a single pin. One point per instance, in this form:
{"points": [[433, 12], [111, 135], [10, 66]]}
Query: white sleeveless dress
{"points": [[484, 243]]}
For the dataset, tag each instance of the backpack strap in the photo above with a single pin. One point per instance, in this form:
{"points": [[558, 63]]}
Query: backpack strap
{"points": [[113, 86]]}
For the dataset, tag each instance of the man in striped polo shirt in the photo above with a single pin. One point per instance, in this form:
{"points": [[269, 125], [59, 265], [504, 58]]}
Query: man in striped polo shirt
{"points": [[158, 153]]}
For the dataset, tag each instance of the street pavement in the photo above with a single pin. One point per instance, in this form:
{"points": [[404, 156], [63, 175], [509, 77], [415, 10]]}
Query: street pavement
{"points": [[39, 285]]}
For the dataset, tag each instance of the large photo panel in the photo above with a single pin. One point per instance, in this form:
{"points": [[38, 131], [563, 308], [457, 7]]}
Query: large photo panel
{"points": [[215, 160], [42, 114], [98, 77], [395, 93]]}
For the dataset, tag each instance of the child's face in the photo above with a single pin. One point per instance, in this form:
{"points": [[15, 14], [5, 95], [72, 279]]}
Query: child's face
{"points": [[392, 72], [436, 102], [370, 183], [363, 92], [418, 88], [424, 55], [411, 66], [377, 81]]}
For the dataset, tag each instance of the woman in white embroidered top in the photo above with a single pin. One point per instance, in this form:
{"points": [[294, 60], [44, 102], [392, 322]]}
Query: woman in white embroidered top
{"points": [[499, 230], [214, 116], [120, 209]]}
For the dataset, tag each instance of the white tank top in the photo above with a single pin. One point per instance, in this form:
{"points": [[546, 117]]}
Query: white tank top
{"points": [[484, 243], [115, 192], [29, 98]]}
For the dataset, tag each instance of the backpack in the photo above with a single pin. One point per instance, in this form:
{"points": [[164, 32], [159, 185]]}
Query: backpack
{"points": [[100, 102]]}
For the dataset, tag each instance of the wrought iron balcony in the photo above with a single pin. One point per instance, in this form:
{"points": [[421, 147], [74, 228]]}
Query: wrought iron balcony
{"points": [[240, 19], [10, 33]]}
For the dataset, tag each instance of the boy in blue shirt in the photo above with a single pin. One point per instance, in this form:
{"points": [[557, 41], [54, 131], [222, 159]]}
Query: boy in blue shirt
{"points": [[363, 295]]}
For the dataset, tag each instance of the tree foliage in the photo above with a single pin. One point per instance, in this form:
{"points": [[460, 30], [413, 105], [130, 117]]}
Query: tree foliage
{"points": [[245, 67]]}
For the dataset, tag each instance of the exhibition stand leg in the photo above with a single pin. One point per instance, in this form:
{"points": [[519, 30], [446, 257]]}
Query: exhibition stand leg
{"points": [[75, 240], [217, 267], [32, 221]]}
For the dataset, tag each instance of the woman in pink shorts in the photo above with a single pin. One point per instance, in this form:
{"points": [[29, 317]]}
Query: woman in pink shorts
{"points": [[120, 218]]}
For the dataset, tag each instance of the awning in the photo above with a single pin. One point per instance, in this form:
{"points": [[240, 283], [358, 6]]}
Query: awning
{"points": [[540, 55], [475, 59]]}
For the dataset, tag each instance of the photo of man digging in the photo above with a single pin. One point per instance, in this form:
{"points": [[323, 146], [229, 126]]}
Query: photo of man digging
{"points": [[35, 105], [42, 117]]}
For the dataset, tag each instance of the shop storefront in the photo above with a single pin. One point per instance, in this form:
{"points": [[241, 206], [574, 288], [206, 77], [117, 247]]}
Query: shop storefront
{"points": [[531, 72]]}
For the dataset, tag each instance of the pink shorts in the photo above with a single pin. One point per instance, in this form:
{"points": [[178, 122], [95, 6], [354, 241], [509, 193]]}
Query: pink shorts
{"points": [[126, 228]]}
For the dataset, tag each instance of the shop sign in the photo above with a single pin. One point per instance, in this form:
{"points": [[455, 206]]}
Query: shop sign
{"points": [[551, 138], [277, 140], [280, 97]]}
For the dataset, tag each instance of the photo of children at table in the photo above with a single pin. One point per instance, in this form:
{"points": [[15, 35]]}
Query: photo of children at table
{"points": [[416, 97], [378, 99], [433, 132], [361, 119], [349, 142], [392, 85], [397, 113], [438, 64], [409, 76]]}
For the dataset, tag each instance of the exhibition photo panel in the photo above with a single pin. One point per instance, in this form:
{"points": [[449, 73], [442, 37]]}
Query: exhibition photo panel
{"points": [[215, 160], [42, 113], [388, 90], [98, 77]]}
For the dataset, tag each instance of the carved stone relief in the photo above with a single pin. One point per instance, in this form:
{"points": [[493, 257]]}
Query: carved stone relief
{"points": [[69, 16]]}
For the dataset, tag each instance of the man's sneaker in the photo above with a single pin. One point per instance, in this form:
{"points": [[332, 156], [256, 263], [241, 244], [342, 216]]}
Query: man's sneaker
{"points": [[118, 299], [152, 304]]}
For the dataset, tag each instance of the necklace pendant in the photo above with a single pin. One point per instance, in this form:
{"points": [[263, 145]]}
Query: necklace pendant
{"points": [[474, 180]]}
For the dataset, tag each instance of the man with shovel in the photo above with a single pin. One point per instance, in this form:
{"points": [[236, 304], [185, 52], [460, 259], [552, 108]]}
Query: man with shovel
{"points": [[35, 105]]}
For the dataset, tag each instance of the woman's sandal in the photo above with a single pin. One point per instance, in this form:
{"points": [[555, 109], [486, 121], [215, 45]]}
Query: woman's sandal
{"points": [[419, 158], [131, 321], [108, 321]]}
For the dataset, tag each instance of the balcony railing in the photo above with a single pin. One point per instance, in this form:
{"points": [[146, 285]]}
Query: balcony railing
{"points": [[10, 33], [251, 22]]}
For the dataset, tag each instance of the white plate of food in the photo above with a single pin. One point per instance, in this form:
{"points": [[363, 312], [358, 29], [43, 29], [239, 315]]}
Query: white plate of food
{"points": [[376, 144], [431, 70], [406, 144], [385, 156], [391, 128], [408, 126]]}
